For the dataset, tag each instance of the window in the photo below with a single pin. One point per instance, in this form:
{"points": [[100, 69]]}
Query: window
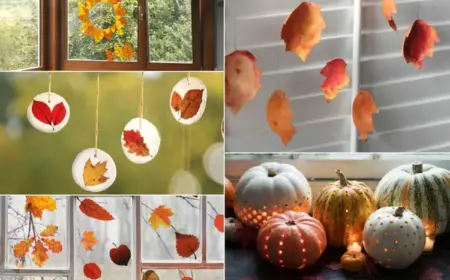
{"points": [[121, 237]]}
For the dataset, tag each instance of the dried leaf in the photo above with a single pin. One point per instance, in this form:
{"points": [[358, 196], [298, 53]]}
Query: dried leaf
{"points": [[302, 30], [189, 105], [183, 276], [21, 249], [336, 78], [53, 245], [37, 204], [49, 231], [41, 111], [219, 222], [419, 43], [186, 244], [109, 55], [127, 51], [39, 253], [93, 175], [150, 275], [175, 101], [160, 217], [242, 79], [93, 210], [120, 255], [92, 271], [279, 116], [388, 8], [135, 143], [363, 108], [89, 241], [117, 51]]}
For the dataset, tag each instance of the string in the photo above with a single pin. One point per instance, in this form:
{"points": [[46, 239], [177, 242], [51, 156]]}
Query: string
{"points": [[141, 107], [96, 113], [49, 85], [188, 160], [188, 77]]}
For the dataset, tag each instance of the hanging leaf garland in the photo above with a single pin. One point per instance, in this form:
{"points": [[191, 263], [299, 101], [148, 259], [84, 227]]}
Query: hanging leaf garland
{"points": [[279, 116], [336, 78], [364, 107]]}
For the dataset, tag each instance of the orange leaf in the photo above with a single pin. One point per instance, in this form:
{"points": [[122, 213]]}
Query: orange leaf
{"points": [[108, 33], [117, 51], [302, 30], [279, 116], [92, 271], [388, 7], [39, 253], [109, 55], [127, 51], [53, 245], [363, 108], [242, 79], [89, 241], [183, 276], [21, 249], [419, 42], [336, 78], [50, 230], [175, 101], [186, 244], [160, 217], [219, 222], [93, 210], [190, 104], [135, 143], [93, 175], [98, 34], [37, 204], [120, 11]]}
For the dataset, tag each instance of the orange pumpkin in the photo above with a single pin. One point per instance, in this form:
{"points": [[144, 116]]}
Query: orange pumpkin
{"points": [[353, 261], [291, 240], [229, 193]]}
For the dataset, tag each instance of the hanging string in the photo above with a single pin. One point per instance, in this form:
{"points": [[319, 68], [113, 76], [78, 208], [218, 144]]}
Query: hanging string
{"points": [[141, 106], [49, 85], [188, 77], [96, 113]]}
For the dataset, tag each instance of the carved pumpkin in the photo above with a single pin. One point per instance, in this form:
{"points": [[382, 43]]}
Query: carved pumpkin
{"points": [[421, 188], [291, 240], [268, 189], [229, 193], [394, 237], [353, 261], [343, 207]]}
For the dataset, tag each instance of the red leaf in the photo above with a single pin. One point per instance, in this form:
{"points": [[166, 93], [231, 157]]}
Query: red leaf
{"points": [[183, 276], [120, 255], [186, 244], [42, 112], [175, 102], [419, 42], [190, 104], [219, 222], [92, 271], [135, 143], [93, 210], [336, 78], [389, 7]]}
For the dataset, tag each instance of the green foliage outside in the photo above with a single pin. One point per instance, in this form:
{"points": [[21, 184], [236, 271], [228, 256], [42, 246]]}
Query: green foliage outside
{"points": [[35, 162]]}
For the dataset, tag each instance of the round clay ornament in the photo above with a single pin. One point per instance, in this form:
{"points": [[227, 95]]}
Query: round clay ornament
{"points": [[140, 141], [188, 100], [394, 237], [213, 162], [94, 173], [48, 112]]}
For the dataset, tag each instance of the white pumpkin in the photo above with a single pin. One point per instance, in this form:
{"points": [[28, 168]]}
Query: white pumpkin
{"points": [[268, 189], [394, 237]]}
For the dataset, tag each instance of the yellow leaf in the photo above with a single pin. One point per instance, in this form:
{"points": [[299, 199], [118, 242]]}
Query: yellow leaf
{"points": [[93, 175], [160, 217], [88, 241], [37, 204], [98, 34], [40, 255], [117, 51], [21, 249], [50, 230], [127, 51], [85, 27]]}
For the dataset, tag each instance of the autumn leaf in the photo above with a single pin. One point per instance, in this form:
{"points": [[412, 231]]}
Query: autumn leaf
{"points": [[279, 116], [302, 30], [49, 231], [135, 143], [219, 222], [93, 175], [39, 253], [41, 111], [190, 104], [53, 245], [336, 78], [117, 51], [109, 55], [160, 217], [186, 244], [21, 249], [127, 51], [175, 101], [92, 271], [120, 255], [388, 8], [93, 210], [37, 204], [107, 33], [88, 241], [120, 11], [242, 79], [363, 108], [97, 34], [419, 43], [183, 276], [150, 275]]}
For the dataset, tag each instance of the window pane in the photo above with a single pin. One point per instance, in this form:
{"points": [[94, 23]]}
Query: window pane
{"points": [[102, 30], [175, 274], [24, 277], [170, 31], [43, 227], [214, 228], [19, 47], [94, 239], [159, 239]]}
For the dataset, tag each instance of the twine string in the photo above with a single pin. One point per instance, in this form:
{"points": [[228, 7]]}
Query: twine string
{"points": [[141, 106], [49, 86], [96, 113]]}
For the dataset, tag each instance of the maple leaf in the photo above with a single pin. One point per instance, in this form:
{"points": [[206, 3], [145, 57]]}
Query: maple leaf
{"points": [[21, 249], [419, 42], [219, 222], [336, 78], [89, 241], [242, 79], [93, 175], [41, 111], [83, 12], [190, 104], [302, 30], [160, 217], [92, 271], [431, 273], [108, 33], [98, 34], [119, 10], [279, 116], [37, 204], [135, 143], [93, 210], [186, 244], [117, 51], [363, 108], [127, 51], [389, 7], [109, 55], [49, 231], [53, 245], [39, 253]]}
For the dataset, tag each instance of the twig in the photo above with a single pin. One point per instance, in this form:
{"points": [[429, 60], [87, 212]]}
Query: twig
{"points": [[213, 208], [159, 236]]}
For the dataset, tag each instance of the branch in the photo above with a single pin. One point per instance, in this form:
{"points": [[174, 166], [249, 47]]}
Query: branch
{"points": [[160, 238]]}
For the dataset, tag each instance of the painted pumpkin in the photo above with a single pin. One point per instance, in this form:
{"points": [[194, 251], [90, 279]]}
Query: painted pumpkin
{"points": [[343, 207], [422, 188], [268, 189], [394, 237], [291, 240], [353, 261], [229, 193]]}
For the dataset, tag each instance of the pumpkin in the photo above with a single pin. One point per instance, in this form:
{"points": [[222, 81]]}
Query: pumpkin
{"points": [[343, 207], [268, 189], [229, 193], [232, 225], [394, 237], [291, 240], [422, 188], [353, 261]]}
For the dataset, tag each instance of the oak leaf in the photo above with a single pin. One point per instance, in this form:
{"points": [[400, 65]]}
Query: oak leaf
{"points": [[336, 78], [39, 253], [219, 222], [53, 245], [49, 231], [389, 7], [88, 241], [93, 210], [21, 249], [93, 175], [41, 111], [135, 143], [92, 271], [189, 104], [419, 43], [186, 244], [242, 79], [279, 116], [363, 108], [160, 217], [302, 30], [37, 204]]}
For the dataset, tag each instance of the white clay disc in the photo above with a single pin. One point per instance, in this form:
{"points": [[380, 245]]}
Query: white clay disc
{"points": [[222, 128], [184, 182], [49, 117], [213, 162], [182, 88], [148, 133], [97, 179]]}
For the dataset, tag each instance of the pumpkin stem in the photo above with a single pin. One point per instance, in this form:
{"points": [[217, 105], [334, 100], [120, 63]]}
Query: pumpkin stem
{"points": [[271, 172], [399, 211], [417, 167], [290, 223], [342, 179]]}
